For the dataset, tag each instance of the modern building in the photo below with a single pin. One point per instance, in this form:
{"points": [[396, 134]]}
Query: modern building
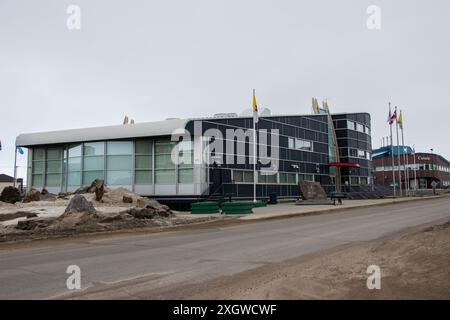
{"points": [[151, 158], [423, 168]]}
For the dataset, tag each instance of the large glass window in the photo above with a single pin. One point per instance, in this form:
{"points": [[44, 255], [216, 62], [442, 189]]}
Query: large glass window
{"points": [[119, 162], [54, 167], [74, 166], [119, 178], [305, 177], [185, 160], [267, 178], [186, 175], [359, 127], [143, 162], [291, 143], [164, 161], [38, 166], [301, 144], [93, 162], [240, 176], [165, 172], [351, 125], [120, 147], [94, 149], [165, 176], [144, 177], [287, 178], [89, 176]]}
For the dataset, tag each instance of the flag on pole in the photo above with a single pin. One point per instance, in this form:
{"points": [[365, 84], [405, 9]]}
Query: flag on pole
{"points": [[400, 120], [392, 116], [255, 107], [255, 121]]}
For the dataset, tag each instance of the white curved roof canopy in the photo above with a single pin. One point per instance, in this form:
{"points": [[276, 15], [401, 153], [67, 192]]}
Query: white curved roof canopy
{"points": [[145, 129]]}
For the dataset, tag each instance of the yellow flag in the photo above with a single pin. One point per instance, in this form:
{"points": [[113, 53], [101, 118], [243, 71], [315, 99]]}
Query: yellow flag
{"points": [[400, 120], [255, 106]]}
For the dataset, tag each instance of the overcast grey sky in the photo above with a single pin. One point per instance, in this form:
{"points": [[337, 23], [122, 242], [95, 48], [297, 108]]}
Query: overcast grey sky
{"points": [[185, 58]]}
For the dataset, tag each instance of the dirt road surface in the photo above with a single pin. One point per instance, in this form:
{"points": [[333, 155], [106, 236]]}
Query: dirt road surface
{"points": [[322, 256]]}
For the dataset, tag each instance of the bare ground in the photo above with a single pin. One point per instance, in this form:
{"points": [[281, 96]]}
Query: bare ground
{"points": [[415, 264], [109, 209]]}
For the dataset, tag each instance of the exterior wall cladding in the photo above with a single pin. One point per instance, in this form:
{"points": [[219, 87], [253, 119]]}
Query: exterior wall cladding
{"points": [[312, 165], [355, 146], [143, 164]]}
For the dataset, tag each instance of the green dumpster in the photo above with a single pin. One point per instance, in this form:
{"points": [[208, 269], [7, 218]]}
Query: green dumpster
{"points": [[205, 207]]}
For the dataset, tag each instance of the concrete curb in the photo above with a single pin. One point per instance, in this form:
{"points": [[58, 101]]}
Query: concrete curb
{"points": [[337, 209]]}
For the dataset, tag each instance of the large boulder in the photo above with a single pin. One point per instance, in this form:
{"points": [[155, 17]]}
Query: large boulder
{"points": [[160, 209], [63, 195], [34, 223], [10, 194], [141, 213], [47, 196], [127, 199], [32, 195], [73, 219], [79, 204], [98, 186], [311, 190], [82, 190]]}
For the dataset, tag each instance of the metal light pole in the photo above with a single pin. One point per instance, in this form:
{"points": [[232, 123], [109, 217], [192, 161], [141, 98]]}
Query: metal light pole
{"points": [[15, 166]]}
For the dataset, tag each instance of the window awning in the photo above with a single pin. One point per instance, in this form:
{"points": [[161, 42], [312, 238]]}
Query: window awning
{"points": [[344, 165]]}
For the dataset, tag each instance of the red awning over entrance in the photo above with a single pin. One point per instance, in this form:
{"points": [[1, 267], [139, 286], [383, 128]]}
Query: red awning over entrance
{"points": [[344, 165]]}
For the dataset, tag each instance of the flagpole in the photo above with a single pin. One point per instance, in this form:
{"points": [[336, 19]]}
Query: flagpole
{"points": [[405, 169], [255, 114], [398, 156], [407, 173], [254, 160], [415, 169], [404, 162], [392, 151], [15, 166], [405, 157]]}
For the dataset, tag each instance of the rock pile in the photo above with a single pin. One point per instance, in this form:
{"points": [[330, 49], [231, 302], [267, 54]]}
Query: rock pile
{"points": [[79, 204], [32, 195], [10, 195], [153, 205]]}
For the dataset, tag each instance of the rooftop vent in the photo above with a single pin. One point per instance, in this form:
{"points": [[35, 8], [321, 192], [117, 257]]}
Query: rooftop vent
{"points": [[265, 112], [226, 115]]}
